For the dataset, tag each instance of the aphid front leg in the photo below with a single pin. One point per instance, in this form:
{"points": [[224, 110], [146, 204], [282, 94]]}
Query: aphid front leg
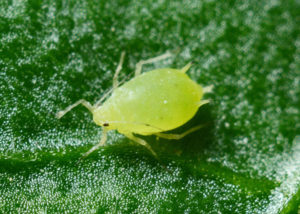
{"points": [[141, 142], [178, 136], [138, 67], [85, 103], [119, 68], [97, 146]]}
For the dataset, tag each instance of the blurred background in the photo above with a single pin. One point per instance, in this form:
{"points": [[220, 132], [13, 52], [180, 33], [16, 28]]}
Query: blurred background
{"points": [[245, 160]]}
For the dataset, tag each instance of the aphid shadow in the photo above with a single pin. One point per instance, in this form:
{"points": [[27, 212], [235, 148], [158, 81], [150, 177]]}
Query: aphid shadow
{"points": [[192, 145]]}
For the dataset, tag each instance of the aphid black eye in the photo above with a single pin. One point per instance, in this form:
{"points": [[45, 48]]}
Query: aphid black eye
{"points": [[105, 124]]}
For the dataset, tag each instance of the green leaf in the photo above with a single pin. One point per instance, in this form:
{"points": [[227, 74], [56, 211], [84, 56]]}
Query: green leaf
{"points": [[246, 160]]}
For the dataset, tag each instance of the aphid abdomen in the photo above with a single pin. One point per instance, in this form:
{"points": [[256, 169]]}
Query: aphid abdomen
{"points": [[153, 102]]}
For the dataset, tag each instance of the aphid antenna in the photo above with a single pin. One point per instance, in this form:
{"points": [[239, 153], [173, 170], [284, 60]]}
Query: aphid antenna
{"points": [[103, 97], [108, 92]]}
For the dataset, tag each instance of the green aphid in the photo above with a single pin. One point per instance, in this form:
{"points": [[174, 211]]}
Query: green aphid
{"points": [[149, 104]]}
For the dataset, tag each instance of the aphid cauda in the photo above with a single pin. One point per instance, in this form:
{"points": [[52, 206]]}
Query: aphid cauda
{"points": [[148, 104]]}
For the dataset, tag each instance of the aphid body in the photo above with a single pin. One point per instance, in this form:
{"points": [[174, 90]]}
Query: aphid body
{"points": [[150, 103]]}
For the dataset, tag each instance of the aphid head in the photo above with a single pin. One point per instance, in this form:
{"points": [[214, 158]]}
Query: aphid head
{"points": [[102, 117]]}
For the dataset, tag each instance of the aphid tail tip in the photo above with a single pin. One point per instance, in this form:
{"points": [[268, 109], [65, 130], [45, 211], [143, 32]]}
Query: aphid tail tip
{"points": [[203, 102], [208, 89], [186, 67]]}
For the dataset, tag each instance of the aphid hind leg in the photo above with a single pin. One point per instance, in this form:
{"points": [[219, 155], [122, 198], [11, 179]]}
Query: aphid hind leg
{"points": [[138, 67], [178, 136], [97, 146], [85, 103], [141, 142], [119, 68]]}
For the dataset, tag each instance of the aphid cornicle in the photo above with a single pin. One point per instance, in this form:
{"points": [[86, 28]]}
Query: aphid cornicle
{"points": [[149, 104]]}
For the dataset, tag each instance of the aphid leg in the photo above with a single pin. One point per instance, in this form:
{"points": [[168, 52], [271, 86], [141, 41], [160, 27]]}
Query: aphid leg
{"points": [[141, 142], [85, 103], [115, 79], [178, 136], [208, 89], [138, 67], [97, 146]]}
